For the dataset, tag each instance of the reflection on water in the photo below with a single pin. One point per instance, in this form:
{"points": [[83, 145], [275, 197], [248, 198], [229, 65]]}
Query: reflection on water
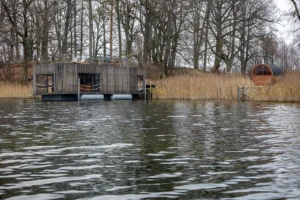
{"points": [[149, 150]]}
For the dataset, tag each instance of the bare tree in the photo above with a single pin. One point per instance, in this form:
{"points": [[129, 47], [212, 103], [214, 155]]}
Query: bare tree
{"points": [[219, 26], [161, 33], [129, 23], [296, 7], [21, 26]]}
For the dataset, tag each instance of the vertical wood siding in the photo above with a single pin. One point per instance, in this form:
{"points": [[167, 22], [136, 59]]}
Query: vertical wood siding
{"points": [[113, 80]]}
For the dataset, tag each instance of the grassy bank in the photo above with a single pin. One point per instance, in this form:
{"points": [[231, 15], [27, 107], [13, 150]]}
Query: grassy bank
{"points": [[15, 91], [207, 86]]}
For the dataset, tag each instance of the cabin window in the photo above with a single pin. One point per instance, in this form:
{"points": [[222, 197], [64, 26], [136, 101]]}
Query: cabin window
{"points": [[89, 82], [45, 83], [140, 83]]}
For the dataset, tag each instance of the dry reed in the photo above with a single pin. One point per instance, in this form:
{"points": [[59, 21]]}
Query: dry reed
{"points": [[286, 88], [200, 86], [15, 91]]}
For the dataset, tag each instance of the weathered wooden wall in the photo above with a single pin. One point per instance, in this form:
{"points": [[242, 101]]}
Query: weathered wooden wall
{"points": [[113, 80], [66, 80], [39, 70]]}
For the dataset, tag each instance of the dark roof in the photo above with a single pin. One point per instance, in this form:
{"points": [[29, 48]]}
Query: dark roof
{"points": [[276, 70]]}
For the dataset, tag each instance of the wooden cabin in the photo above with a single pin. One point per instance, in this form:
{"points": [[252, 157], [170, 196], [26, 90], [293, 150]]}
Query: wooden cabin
{"points": [[263, 74], [68, 81]]}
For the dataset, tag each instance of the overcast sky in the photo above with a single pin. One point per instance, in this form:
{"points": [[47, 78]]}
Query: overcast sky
{"points": [[284, 27]]}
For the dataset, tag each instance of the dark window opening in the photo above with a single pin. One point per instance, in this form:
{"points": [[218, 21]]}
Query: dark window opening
{"points": [[140, 83], [45, 83], [89, 82]]}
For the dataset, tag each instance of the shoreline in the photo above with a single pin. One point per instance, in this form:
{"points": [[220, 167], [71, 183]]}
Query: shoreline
{"points": [[21, 98], [196, 85]]}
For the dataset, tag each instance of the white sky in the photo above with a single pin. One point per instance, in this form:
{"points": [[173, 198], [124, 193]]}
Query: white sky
{"points": [[284, 27]]}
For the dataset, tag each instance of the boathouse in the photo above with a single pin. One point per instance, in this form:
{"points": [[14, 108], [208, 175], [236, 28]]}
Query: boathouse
{"points": [[74, 81], [263, 74]]}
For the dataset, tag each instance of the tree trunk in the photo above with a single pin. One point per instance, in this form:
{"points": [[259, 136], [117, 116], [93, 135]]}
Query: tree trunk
{"points": [[81, 30], [105, 42], [146, 39], [168, 43], [66, 30], [25, 43], [74, 28], [18, 56], [119, 28], [111, 30], [219, 37], [174, 50], [25, 57], [38, 35], [166, 58], [219, 50], [45, 33], [12, 45], [233, 37], [206, 33], [147, 33], [90, 29], [197, 32]]}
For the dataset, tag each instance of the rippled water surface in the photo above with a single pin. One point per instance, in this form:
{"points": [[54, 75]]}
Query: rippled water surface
{"points": [[149, 150]]}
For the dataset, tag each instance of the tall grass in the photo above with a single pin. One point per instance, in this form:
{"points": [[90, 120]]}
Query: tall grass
{"points": [[207, 86], [286, 88], [200, 86], [15, 91]]}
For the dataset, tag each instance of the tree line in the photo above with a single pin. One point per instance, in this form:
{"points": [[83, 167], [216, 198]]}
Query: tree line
{"points": [[227, 35]]}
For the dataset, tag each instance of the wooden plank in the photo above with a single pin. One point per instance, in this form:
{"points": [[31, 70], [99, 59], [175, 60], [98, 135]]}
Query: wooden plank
{"points": [[103, 79], [59, 70], [34, 79], [44, 69], [110, 80], [117, 81], [126, 78], [133, 81]]}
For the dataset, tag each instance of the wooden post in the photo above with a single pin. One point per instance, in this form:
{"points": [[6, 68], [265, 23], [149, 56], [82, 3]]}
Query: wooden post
{"points": [[243, 93], [34, 81], [78, 90], [144, 86], [150, 97], [240, 93]]}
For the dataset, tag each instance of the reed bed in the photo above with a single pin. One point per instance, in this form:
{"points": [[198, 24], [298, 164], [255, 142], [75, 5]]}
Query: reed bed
{"points": [[200, 86], [286, 88], [15, 91]]}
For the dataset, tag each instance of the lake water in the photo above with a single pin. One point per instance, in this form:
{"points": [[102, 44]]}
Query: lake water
{"points": [[149, 150]]}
